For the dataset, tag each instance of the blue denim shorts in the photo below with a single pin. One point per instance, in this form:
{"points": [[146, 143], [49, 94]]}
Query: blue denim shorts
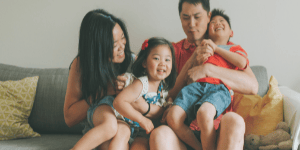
{"points": [[108, 100], [192, 96]]}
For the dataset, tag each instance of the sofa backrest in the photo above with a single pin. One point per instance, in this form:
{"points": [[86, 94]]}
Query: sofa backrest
{"points": [[262, 79], [47, 112]]}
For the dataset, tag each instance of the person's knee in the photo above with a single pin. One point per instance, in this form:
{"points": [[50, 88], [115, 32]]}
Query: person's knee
{"points": [[123, 130], [205, 114], [234, 123], [111, 128], [160, 133], [175, 117]]}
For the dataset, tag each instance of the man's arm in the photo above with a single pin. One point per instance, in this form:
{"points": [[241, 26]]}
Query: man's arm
{"points": [[181, 79], [240, 81]]}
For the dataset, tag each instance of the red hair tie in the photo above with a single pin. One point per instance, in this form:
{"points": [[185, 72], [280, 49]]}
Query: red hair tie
{"points": [[145, 44]]}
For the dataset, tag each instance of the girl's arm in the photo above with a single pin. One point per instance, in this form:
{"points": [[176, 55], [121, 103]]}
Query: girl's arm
{"points": [[142, 106], [123, 104]]}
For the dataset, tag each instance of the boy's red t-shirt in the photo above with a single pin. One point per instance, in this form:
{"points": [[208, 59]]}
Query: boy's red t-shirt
{"points": [[184, 50]]}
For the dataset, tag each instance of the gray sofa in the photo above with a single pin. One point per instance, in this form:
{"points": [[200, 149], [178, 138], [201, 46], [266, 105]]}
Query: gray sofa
{"points": [[47, 116]]}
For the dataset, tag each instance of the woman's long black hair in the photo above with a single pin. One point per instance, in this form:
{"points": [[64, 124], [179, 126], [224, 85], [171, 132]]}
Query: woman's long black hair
{"points": [[138, 70], [95, 52]]}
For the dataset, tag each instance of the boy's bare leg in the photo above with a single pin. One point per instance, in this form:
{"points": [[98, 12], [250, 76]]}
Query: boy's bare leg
{"points": [[205, 120], [105, 123], [175, 120], [120, 141], [140, 143], [232, 130]]}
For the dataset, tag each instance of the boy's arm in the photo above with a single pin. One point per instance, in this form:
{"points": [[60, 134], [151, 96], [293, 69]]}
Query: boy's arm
{"points": [[234, 58]]}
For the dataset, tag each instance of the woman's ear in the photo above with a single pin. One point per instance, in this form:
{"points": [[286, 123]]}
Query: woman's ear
{"points": [[231, 35]]}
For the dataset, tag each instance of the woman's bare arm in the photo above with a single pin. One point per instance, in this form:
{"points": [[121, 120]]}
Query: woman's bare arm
{"points": [[75, 108]]}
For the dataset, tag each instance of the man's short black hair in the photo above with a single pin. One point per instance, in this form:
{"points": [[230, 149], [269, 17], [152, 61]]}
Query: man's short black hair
{"points": [[205, 4], [219, 12]]}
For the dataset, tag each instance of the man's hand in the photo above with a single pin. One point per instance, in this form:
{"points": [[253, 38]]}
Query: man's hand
{"points": [[163, 118], [196, 73], [204, 51], [146, 124], [210, 43], [201, 58]]}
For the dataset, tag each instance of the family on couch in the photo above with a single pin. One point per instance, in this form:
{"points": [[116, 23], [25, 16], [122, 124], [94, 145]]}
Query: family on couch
{"points": [[95, 95]]}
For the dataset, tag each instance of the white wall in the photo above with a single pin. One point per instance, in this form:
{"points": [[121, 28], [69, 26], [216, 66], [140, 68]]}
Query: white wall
{"points": [[44, 33]]}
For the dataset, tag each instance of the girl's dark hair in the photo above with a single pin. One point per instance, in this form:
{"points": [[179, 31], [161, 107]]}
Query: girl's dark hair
{"points": [[95, 52], [137, 67]]}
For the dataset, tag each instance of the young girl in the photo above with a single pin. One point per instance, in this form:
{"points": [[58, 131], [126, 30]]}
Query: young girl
{"points": [[154, 70]]}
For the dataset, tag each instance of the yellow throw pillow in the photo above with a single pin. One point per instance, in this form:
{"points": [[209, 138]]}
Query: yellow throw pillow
{"points": [[16, 101], [261, 115]]}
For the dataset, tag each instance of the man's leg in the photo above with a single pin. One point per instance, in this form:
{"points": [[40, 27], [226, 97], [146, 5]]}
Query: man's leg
{"points": [[164, 138], [140, 143], [175, 120], [231, 134]]}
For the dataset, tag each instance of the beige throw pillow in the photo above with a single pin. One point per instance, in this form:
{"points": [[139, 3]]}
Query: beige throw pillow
{"points": [[16, 101]]}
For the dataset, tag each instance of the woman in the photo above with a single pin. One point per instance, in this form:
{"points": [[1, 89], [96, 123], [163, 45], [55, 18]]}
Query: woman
{"points": [[96, 72]]}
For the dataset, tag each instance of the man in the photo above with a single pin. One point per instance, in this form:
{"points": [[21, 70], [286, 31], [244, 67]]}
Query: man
{"points": [[195, 16]]}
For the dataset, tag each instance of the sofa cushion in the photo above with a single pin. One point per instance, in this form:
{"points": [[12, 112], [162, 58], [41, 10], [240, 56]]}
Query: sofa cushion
{"points": [[47, 113], [45, 142], [16, 101], [261, 114]]}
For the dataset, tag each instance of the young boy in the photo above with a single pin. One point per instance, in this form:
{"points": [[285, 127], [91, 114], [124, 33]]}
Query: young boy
{"points": [[209, 97]]}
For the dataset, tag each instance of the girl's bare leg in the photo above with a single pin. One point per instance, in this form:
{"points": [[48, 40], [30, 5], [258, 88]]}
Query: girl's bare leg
{"points": [[120, 141]]}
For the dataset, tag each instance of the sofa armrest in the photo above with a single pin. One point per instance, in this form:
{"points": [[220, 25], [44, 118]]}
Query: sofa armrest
{"points": [[291, 112]]}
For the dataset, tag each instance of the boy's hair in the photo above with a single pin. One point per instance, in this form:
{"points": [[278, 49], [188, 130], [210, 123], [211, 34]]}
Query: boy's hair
{"points": [[205, 4], [219, 12], [95, 52], [137, 67]]}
